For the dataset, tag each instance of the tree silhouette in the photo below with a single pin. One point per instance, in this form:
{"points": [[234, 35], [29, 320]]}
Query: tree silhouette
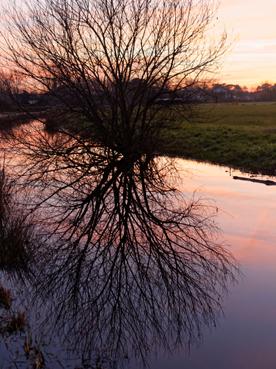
{"points": [[108, 63], [128, 264]]}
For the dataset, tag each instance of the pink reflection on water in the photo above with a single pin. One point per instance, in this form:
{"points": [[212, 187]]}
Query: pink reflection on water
{"points": [[246, 336], [246, 210]]}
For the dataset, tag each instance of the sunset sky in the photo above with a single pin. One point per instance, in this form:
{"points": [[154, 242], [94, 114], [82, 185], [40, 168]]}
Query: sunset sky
{"points": [[251, 25]]}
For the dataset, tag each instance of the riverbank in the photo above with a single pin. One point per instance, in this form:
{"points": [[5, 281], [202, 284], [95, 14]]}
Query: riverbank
{"points": [[9, 120], [238, 135]]}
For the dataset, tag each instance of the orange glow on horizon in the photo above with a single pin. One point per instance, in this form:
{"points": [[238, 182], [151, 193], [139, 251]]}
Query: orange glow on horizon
{"points": [[251, 25]]}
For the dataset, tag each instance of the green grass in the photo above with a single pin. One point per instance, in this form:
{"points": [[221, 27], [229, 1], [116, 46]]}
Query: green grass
{"points": [[238, 135]]}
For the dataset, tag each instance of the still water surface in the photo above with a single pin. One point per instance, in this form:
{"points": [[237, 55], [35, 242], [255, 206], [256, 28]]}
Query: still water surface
{"points": [[246, 336]]}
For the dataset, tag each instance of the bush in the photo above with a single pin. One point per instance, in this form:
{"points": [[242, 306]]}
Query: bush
{"points": [[16, 234]]}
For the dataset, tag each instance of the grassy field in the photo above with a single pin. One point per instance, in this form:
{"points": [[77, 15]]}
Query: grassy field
{"points": [[238, 135], [241, 135]]}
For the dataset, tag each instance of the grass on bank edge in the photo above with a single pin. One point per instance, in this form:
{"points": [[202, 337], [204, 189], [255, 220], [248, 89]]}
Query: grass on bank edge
{"points": [[237, 135], [241, 136]]}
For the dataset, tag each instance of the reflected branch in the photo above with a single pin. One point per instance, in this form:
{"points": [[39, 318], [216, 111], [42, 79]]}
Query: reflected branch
{"points": [[131, 266]]}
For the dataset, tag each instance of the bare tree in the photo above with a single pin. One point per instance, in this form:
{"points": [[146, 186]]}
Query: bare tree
{"points": [[111, 61], [126, 255]]}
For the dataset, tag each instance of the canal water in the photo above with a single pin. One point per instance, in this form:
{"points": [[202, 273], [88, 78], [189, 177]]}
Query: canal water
{"points": [[245, 336]]}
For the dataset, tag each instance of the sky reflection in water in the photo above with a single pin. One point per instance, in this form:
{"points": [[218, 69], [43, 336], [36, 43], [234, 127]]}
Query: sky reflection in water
{"points": [[246, 215], [132, 266], [246, 337]]}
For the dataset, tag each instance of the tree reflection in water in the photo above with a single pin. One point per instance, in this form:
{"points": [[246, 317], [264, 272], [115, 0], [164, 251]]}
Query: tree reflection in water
{"points": [[128, 266]]}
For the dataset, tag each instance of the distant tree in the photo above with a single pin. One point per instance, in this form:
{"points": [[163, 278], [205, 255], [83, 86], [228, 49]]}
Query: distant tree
{"points": [[10, 85], [266, 92]]}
